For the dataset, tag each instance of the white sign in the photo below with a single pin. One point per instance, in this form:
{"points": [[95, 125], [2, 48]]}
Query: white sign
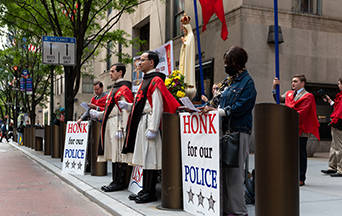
{"points": [[59, 50], [75, 151], [165, 65], [135, 183], [200, 163]]}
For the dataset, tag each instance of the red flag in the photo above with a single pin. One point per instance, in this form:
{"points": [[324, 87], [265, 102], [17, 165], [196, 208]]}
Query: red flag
{"points": [[211, 7]]}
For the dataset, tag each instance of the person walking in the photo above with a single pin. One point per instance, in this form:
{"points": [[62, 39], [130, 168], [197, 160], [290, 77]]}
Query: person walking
{"points": [[304, 103], [20, 133], [4, 131], [335, 155]]}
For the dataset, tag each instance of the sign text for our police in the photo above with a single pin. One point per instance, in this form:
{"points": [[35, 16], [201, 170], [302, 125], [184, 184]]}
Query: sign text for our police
{"points": [[76, 140], [200, 163]]}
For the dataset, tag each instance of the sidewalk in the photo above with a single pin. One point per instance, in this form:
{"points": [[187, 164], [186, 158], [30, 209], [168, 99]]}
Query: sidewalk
{"points": [[321, 195]]}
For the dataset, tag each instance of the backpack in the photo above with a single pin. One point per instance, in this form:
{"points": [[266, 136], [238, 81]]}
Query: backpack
{"points": [[3, 127]]}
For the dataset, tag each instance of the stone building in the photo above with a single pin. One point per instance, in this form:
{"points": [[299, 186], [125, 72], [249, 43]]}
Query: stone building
{"points": [[311, 30]]}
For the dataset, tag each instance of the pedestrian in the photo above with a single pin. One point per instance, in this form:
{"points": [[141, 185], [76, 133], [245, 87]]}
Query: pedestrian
{"points": [[97, 102], [335, 156], [62, 118], [4, 131], [143, 138], [114, 122], [20, 133], [304, 103], [235, 100], [38, 124]]}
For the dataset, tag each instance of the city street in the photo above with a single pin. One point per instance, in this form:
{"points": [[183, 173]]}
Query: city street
{"points": [[26, 188], [29, 189]]}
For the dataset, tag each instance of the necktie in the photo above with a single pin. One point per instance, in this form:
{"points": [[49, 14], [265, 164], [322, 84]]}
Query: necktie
{"points": [[294, 94]]}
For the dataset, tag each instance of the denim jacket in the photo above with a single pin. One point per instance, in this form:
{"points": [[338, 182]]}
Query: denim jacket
{"points": [[238, 101]]}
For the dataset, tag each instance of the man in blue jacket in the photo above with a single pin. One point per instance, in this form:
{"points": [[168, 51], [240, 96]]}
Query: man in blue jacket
{"points": [[4, 131]]}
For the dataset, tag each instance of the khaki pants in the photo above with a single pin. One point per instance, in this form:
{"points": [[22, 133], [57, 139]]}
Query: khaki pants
{"points": [[335, 157]]}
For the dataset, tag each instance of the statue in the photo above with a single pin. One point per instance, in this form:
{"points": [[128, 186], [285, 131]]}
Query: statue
{"points": [[187, 57]]}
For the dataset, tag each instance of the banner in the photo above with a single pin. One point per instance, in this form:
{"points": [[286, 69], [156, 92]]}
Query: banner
{"points": [[29, 86], [75, 151], [135, 183], [22, 84], [200, 163], [165, 65]]}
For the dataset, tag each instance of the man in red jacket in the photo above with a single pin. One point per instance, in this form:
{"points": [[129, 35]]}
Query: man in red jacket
{"points": [[97, 102], [304, 103], [335, 156]]}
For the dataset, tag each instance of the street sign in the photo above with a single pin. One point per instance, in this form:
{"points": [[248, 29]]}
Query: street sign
{"points": [[29, 86], [59, 50], [25, 73]]}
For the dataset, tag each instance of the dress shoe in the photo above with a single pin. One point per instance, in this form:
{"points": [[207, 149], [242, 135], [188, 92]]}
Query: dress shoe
{"points": [[336, 175], [328, 171], [134, 196], [114, 187], [301, 183], [106, 186], [146, 198]]}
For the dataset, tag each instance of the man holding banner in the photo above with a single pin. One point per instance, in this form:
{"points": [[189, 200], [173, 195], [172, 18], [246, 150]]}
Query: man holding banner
{"points": [[143, 136], [113, 125]]}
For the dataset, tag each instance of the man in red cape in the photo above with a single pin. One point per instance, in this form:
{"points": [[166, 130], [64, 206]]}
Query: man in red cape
{"points": [[143, 141], [304, 103], [335, 156], [114, 122]]}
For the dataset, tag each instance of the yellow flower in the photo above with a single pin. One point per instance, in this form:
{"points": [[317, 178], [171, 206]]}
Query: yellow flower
{"points": [[180, 94], [182, 87], [173, 83], [177, 77], [167, 82]]}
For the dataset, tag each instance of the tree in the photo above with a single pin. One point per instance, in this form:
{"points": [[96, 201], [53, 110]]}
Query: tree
{"points": [[17, 56], [72, 19]]}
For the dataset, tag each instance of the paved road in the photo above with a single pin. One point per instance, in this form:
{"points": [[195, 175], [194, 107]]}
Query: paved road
{"points": [[26, 188]]}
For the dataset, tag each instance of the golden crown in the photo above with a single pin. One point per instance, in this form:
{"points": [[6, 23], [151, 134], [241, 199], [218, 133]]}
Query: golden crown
{"points": [[185, 19]]}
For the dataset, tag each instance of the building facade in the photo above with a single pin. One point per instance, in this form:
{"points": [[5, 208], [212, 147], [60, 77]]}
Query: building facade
{"points": [[311, 29]]}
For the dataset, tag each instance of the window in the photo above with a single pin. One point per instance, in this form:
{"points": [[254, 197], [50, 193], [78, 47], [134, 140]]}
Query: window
{"points": [[178, 13], [208, 80], [109, 11], [57, 87], [145, 35], [307, 6], [62, 85], [87, 84], [109, 55]]}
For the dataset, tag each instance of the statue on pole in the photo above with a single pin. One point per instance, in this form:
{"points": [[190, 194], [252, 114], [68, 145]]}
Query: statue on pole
{"points": [[187, 57]]}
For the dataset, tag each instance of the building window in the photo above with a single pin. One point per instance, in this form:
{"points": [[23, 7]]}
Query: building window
{"points": [[61, 85], [179, 8], [109, 11], [109, 55], [307, 6], [145, 35], [87, 84], [208, 80], [57, 86]]}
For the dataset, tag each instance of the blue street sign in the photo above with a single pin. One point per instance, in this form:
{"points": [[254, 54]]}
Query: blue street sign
{"points": [[25, 73]]}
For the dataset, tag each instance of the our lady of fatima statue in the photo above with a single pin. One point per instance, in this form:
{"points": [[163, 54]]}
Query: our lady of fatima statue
{"points": [[187, 57]]}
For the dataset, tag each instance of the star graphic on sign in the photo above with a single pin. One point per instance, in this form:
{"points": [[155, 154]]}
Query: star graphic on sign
{"points": [[191, 196], [67, 164], [200, 199], [79, 165], [211, 202], [73, 165]]}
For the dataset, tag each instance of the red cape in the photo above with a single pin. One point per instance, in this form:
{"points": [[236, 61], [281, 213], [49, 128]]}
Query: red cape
{"points": [[306, 108], [123, 91], [337, 113], [100, 102], [170, 103]]}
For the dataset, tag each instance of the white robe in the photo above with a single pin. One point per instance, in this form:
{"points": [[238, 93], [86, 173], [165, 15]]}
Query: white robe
{"points": [[147, 153], [113, 146]]}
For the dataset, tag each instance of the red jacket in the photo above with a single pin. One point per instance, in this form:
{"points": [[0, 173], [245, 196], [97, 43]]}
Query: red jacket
{"points": [[306, 108], [337, 113]]}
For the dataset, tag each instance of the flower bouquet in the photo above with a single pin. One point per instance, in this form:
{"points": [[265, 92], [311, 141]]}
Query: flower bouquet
{"points": [[175, 84]]}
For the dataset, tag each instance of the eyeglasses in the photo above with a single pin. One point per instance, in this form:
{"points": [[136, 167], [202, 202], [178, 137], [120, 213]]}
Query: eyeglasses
{"points": [[142, 60]]}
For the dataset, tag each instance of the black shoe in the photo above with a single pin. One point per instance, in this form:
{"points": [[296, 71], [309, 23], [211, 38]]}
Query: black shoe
{"points": [[146, 198], [134, 196], [328, 171], [106, 186], [336, 175], [114, 187]]}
